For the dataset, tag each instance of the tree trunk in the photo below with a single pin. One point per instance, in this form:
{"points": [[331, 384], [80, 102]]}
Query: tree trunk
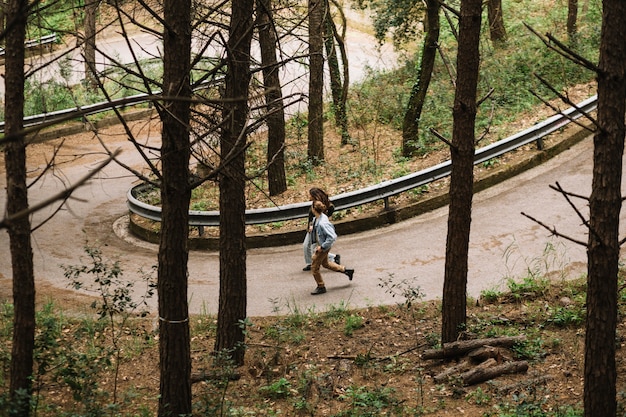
{"points": [[497, 30], [233, 289], [3, 19], [572, 17], [410, 127], [338, 88], [604, 209], [91, 8], [462, 176], [273, 98], [17, 200], [316, 82], [174, 340]]}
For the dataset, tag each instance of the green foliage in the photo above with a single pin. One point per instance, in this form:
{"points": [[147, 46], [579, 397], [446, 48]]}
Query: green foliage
{"points": [[566, 316], [57, 16], [365, 402], [278, 389], [531, 349], [401, 18], [116, 300], [353, 322], [528, 288], [115, 293], [490, 295], [478, 397], [405, 289]]}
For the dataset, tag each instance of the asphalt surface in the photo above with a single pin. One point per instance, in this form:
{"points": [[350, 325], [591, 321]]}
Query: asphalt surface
{"points": [[503, 243]]}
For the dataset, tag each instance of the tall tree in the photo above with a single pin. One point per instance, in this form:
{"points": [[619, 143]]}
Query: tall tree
{"points": [[572, 18], [338, 87], [603, 249], [410, 126], [273, 99], [315, 149], [17, 200], [454, 301], [233, 287], [89, 48], [174, 339], [497, 30]]}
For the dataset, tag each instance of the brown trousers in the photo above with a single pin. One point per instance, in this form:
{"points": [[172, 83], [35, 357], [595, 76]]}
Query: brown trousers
{"points": [[321, 259]]}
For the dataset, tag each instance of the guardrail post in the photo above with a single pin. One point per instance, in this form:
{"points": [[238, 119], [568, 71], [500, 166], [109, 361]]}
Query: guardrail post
{"points": [[386, 200], [540, 144]]}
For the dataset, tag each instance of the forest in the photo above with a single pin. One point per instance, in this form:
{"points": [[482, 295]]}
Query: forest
{"points": [[214, 85]]}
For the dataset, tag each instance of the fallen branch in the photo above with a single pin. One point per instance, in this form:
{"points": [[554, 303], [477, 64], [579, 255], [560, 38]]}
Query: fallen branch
{"points": [[459, 348], [481, 374]]}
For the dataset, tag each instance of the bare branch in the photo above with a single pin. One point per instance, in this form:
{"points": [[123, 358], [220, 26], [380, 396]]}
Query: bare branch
{"points": [[559, 189], [62, 196], [578, 213], [564, 51], [486, 97], [553, 230], [442, 138], [567, 101]]}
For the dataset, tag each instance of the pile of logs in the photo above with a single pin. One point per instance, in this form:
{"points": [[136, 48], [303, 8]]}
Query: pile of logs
{"points": [[478, 360]]}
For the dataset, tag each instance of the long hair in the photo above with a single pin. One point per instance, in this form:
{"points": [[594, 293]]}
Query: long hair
{"points": [[320, 195]]}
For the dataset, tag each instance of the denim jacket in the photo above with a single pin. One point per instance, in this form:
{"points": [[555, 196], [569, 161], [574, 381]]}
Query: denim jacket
{"points": [[325, 230]]}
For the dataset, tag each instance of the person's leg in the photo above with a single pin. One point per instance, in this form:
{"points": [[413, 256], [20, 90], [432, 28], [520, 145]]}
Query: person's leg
{"points": [[338, 268], [308, 252], [328, 264], [318, 259]]}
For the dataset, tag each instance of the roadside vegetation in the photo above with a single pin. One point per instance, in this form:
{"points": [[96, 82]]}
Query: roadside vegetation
{"points": [[100, 358]]}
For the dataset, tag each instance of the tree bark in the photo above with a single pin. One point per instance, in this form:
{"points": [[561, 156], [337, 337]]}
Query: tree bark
{"points": [[273, 98], [233, 289], [338, 88], [410, 126], [497, 30], [605, 202], [462, 176], [17, 200], [572, 17], [174, 339], [89, 48], [315, 149]]}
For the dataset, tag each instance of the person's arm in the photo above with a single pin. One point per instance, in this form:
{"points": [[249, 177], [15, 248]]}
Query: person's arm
{"points": [[326, 232]]}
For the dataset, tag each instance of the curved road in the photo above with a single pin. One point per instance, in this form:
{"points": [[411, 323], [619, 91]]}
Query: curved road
{"points": [[503, 243]]}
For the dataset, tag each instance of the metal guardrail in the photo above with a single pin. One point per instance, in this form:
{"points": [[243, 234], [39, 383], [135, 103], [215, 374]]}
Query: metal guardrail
{"points": [[87, 110], [381, 191], [95, 108], [33, 43]]}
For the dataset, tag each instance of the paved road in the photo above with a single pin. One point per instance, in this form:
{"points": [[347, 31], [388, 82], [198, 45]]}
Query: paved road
{"points": [[503, 243]]}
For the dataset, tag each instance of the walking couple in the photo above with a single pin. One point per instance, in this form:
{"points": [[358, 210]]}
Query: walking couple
{"points": [[319, 240]]}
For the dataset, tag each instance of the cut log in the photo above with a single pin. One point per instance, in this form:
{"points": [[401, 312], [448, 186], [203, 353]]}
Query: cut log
{"points": [[453, 370], [483, 353], [480, 374], [459, 348]]}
